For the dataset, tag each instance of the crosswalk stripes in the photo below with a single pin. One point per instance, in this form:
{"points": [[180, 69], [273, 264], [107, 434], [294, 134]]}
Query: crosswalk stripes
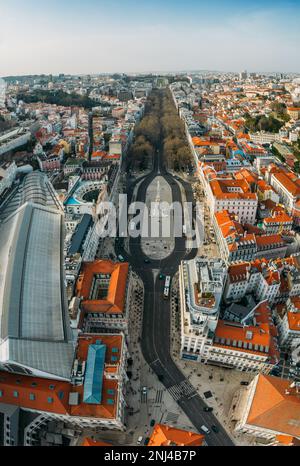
{"points": [[143, 397], [159, 396], [172, 417], [182, 390]]}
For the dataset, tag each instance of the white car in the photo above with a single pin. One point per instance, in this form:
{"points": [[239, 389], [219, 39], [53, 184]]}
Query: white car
{"points": [[139, 440], [205, 429]]}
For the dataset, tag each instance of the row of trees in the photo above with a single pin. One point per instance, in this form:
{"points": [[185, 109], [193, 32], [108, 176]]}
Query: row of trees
{"points": [[146, 135], [161, 125], [176, 150]]}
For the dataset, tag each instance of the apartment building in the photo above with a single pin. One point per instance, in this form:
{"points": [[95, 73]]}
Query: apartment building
{"points": [[249, 347], [50, 163], [251, 150], [201, 282], [234, 243], [277, 223], [232, 195], [287, 185], [265, 192], [239, 244], [256, 278], [289, 323]]}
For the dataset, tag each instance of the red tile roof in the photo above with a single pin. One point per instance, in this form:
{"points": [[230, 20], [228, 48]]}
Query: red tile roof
{"points": [[275, 406], [165, 436], [114, 303]]}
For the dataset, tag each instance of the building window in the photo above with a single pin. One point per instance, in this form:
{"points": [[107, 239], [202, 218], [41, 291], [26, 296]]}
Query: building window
{"points": [[32, 396], [15, 394]]}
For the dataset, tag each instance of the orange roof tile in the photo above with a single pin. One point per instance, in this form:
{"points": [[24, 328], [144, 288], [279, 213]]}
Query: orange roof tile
{"points": [[275, 406], [294, 320], [292, 185], [53, 396], [43, 390], [116, 293], [285, 439], [220, 189], [268, 240], [88, 442], [259, 336], [163, 435], [238, 272]]}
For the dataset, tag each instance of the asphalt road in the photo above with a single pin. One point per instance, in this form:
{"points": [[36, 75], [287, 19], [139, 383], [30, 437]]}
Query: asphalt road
{"points": [[155, 340]]}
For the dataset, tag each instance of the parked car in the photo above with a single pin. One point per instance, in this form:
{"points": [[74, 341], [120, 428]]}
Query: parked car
{"points": [[152, 423], [244, 383], [208, 409], [214, 429], [139, 440]]}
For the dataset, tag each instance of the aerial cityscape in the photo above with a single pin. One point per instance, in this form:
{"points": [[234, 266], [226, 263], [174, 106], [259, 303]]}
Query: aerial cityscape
{"points": [[150, 232]]}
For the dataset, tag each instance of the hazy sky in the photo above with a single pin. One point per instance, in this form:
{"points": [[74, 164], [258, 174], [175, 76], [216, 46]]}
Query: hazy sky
{"points": [[94, 36]]}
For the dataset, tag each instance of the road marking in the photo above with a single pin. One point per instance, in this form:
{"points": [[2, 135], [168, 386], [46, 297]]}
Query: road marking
{"points": [[182, 390]]}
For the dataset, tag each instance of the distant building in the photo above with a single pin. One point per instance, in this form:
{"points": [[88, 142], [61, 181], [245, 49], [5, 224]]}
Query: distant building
{"points": [[294, 112], [13, 139], [7, 177], [243, 75]]}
